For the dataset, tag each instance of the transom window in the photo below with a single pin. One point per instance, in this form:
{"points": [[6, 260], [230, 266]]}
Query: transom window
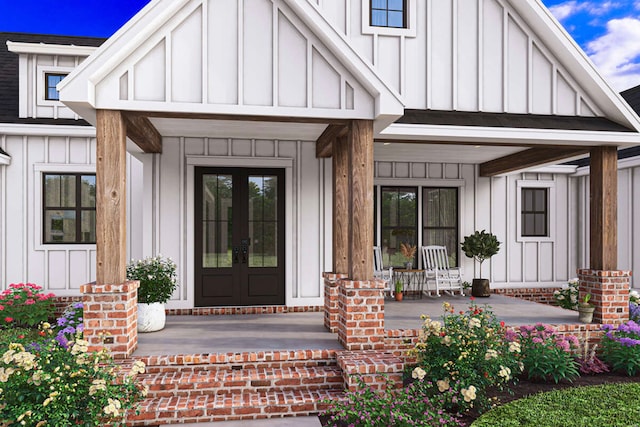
{"points": [[535, 212], [389, 13], [51, 80], [69, 204]]}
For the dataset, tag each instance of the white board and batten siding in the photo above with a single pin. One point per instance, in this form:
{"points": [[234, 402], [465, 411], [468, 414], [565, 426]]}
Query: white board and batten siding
{"points": [[245, 57], [464, 55], [167, 207], [59, 268], [490, 204]]}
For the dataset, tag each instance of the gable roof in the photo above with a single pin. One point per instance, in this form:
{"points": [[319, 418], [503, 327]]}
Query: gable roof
{"points": [[9, 74]]}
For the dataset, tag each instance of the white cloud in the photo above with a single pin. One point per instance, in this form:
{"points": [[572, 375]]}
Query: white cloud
{"points": [[569, 8], [617, 53], [564, 10]]}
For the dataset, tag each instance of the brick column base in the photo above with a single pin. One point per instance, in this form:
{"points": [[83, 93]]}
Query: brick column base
{"points": [[361, 314], [110, 317], [331, 300], [609, 294]]}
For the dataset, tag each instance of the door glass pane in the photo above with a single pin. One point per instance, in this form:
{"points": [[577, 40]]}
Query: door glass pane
{"points": [[263, 221], [60, 226], [440, 220], [398, 223], [217, 205]]}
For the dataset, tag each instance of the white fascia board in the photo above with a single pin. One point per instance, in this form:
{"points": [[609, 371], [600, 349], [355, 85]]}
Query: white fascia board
{"points": [[5, 160], [481, 134], [47, 130], [629, 162], [50, 49], [388, 101], [79, 85], [576, 61]]}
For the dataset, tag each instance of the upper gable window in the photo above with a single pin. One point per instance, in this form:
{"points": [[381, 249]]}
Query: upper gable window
{"points": [[51, 80], [389, 17], [389, 13]]}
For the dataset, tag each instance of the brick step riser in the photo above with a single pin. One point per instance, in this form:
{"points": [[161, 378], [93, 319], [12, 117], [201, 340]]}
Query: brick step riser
{"points": [[154, 369], [336, 384]]}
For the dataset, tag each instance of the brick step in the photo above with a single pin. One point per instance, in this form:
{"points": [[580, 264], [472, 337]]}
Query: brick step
{"points": [[215, 407], [224, 381]]}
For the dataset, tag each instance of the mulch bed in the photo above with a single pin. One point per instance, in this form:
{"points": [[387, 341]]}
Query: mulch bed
{"points": [[526, 388]]}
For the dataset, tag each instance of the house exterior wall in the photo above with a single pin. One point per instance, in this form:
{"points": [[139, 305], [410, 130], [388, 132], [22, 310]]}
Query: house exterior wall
{"points": [[466, 55], [491, 204], [166, 207], [59, 268]]}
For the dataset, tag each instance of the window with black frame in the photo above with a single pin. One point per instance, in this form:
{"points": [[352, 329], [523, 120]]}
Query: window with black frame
{"points": [[69, 208], [51, 80], [440, 220], [388, 13], [534, 212], [398, 222]]}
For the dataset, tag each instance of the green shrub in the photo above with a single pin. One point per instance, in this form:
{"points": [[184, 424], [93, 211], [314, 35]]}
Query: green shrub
{"points": [[157, 276], [45, 384], [621, 347], [468, 352], [567, 297], [547, 355], [417, 404], [594, 406], [23, 304]]}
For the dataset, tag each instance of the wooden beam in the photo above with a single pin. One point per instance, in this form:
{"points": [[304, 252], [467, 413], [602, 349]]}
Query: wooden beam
{"points": [[341, 196], [360, 173], [111, 210], [529, 158], [603, 192], [244, 118], [324, 144], [143, 133]]}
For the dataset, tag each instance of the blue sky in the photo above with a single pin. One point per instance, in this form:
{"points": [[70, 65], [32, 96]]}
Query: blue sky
{"points": [[608, 30]]}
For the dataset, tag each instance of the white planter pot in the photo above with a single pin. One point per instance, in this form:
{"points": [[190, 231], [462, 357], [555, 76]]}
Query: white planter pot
{"points": [[151, 317]]}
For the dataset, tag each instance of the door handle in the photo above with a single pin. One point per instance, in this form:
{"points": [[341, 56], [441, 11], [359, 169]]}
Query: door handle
{"points": [[236, 255], [244, 254]]}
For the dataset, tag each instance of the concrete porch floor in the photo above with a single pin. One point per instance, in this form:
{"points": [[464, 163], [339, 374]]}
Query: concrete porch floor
{"points": [[305, 331]]}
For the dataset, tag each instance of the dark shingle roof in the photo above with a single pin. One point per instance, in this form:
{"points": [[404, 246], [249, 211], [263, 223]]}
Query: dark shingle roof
{"points": [[2, 152], [9, 91]]}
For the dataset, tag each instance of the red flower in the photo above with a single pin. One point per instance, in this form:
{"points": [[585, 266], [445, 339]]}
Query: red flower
{"points": [[21, 337], [41, 333], [442, 334], [472, 298], [502, 324], [8, 319]]}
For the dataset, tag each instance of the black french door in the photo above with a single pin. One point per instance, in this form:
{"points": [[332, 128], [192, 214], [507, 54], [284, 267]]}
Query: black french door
{"points": [[239, 237]]}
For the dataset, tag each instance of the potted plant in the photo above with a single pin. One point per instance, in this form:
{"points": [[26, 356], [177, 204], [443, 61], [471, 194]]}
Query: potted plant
{"points": [[408, 251], [157, 276], [585, 309], [480, 246], [398, 290]]}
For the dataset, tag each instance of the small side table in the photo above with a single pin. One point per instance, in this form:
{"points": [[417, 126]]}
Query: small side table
{"points": [[412, 279]]}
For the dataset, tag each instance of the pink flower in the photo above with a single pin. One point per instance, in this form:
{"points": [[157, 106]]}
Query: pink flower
{"points": [[1, 307], [16, 297], [8, 319], [29, 301]]}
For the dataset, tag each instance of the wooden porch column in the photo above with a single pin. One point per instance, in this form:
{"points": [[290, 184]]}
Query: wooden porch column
{"points": [[603, 195], [111, 212], [360, 175], [341, 196]]}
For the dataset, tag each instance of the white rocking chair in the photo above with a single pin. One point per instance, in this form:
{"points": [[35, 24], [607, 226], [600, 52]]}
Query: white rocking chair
{"points": [[437, 271], [379, 272]]}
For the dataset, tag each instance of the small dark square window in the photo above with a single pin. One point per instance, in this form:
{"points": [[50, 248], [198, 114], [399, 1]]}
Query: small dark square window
{"points": [[69, 208], [51, 80], [535, 212], [389, 13]]}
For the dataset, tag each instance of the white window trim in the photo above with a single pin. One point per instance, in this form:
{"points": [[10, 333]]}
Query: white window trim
{"points": [[41, 90], [551, 194], [39, 169], [410, 31]]}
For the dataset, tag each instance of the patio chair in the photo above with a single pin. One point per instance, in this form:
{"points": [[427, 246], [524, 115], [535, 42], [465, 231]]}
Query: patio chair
{"points": [[382, 273], [437, 271]]}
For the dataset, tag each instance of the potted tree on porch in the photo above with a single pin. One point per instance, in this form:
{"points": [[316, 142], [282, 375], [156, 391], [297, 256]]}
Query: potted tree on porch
{"points": [[480, 246], [157, 276]]}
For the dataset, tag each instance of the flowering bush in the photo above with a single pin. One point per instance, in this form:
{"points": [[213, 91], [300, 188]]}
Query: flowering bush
{"points": [[567, 297], [634, 305], [57, 386], [69, 324], [414, 405], [467, 353], [157, 276], [23, 304], [545, 354], [621, 347]]}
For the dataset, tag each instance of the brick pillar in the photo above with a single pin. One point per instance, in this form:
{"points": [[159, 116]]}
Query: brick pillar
{"points": [[331, 300], [110, 317], [361, 314], [609, 294]]}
